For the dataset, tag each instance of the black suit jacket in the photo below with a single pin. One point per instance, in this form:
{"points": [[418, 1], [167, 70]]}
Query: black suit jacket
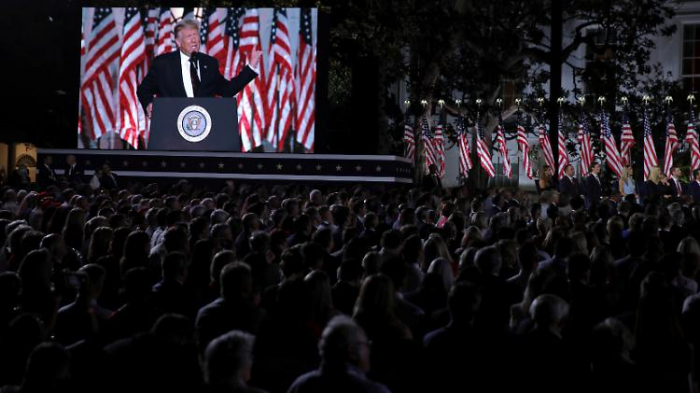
{"points": [[594, 189], [46, 175], [164, 79], [569, 187], [74, 174], [694, 191], [674, 190]]}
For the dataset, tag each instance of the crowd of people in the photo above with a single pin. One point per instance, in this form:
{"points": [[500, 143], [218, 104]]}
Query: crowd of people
{"points": [[253, 288]]}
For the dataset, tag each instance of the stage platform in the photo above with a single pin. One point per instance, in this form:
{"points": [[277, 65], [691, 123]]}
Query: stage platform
{"points": [[144, 165]]}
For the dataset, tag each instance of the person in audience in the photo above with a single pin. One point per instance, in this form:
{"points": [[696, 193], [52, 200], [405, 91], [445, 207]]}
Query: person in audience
{"points": [[234, 309], [457, 289], [228, 363], [83, 318], [345, 360]]}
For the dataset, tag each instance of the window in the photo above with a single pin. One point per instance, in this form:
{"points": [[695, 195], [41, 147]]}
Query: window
{"points": [[691, 57]]}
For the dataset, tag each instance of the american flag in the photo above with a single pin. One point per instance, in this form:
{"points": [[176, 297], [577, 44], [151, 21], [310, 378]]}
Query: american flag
{"points": [[233, 64], [439, 148], [546, 145], [626, 140], [97, 87], [482, 150], [584, 139], [215, 20], [133, 53], [428, 150], [650, 159], [166, 38], [563, 154], [501, 141], [203, 32], [612, 155], [280, 82], [465, 160], [524, 147], [150, 39], [306, 83], [691, 138], [409, 141], [251, 105], [671, 144]]}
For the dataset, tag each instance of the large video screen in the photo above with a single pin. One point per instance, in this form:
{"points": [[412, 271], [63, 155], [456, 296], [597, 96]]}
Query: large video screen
{"points": [[276, 110]]}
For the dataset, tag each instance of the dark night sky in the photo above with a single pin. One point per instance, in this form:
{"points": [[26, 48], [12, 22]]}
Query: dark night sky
{"points": [[41, 71]]}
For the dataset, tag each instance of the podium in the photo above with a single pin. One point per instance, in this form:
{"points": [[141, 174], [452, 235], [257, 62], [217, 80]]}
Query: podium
{"points": [[201, 124]]}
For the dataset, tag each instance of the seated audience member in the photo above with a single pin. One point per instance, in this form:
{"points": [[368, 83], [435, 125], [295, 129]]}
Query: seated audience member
{"points": [[228, 363], [234, 309], [84, 317], [345, 358]]}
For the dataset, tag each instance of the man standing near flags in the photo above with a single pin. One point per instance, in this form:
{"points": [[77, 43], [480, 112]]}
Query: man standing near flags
{"points": [[568, 184], [594, 186], [678, 187], [694, 187], [189, 73]]}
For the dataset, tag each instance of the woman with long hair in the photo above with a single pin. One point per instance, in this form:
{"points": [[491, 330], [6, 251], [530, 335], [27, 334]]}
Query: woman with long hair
{"points": [[657, 184], [73, 228], [436, 247], [546, 181], [375, 310], [626, 184], [99, 244], [136, 251]]}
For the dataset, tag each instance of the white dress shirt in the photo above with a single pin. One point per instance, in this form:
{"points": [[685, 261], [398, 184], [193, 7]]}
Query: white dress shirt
{"points": [[186, 78]]}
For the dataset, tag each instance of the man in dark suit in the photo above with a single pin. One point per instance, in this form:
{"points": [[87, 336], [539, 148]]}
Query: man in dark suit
{"points": [[46, 175], [107, 179], [569, 184], [678, 187], [594, 186], [189, 73], [694, 187], [73, 172]]}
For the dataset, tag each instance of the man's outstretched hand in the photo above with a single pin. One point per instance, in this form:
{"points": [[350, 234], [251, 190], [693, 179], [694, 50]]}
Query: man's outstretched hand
{"points": [[255, 57]]}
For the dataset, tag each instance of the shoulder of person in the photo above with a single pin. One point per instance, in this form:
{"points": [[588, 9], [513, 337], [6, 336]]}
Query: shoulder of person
{"points": [[166, 56]]}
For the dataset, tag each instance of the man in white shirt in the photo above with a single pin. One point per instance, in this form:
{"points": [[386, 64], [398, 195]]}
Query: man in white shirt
{"points": [[189, 73], [676, 183]]}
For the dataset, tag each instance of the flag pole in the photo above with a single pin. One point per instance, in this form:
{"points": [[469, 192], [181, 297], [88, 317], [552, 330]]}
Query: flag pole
{"points": [[476, 128], [601, 101], [460, 121], [277, 109], [499, 102]]}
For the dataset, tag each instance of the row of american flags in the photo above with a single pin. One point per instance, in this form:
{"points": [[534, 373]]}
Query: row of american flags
{"points": [[279, 104], [615, 158]]}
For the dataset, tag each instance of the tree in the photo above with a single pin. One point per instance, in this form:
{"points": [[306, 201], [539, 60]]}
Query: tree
{"points": [[478, 49]]}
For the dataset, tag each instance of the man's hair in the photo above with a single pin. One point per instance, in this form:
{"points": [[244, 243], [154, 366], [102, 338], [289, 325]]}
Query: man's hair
{"points": [[488, 260], [340, 341], [226, 356], [593, 164], [547, 310], [175, 263], [236, 280], [186, 24], [695, 173]]}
